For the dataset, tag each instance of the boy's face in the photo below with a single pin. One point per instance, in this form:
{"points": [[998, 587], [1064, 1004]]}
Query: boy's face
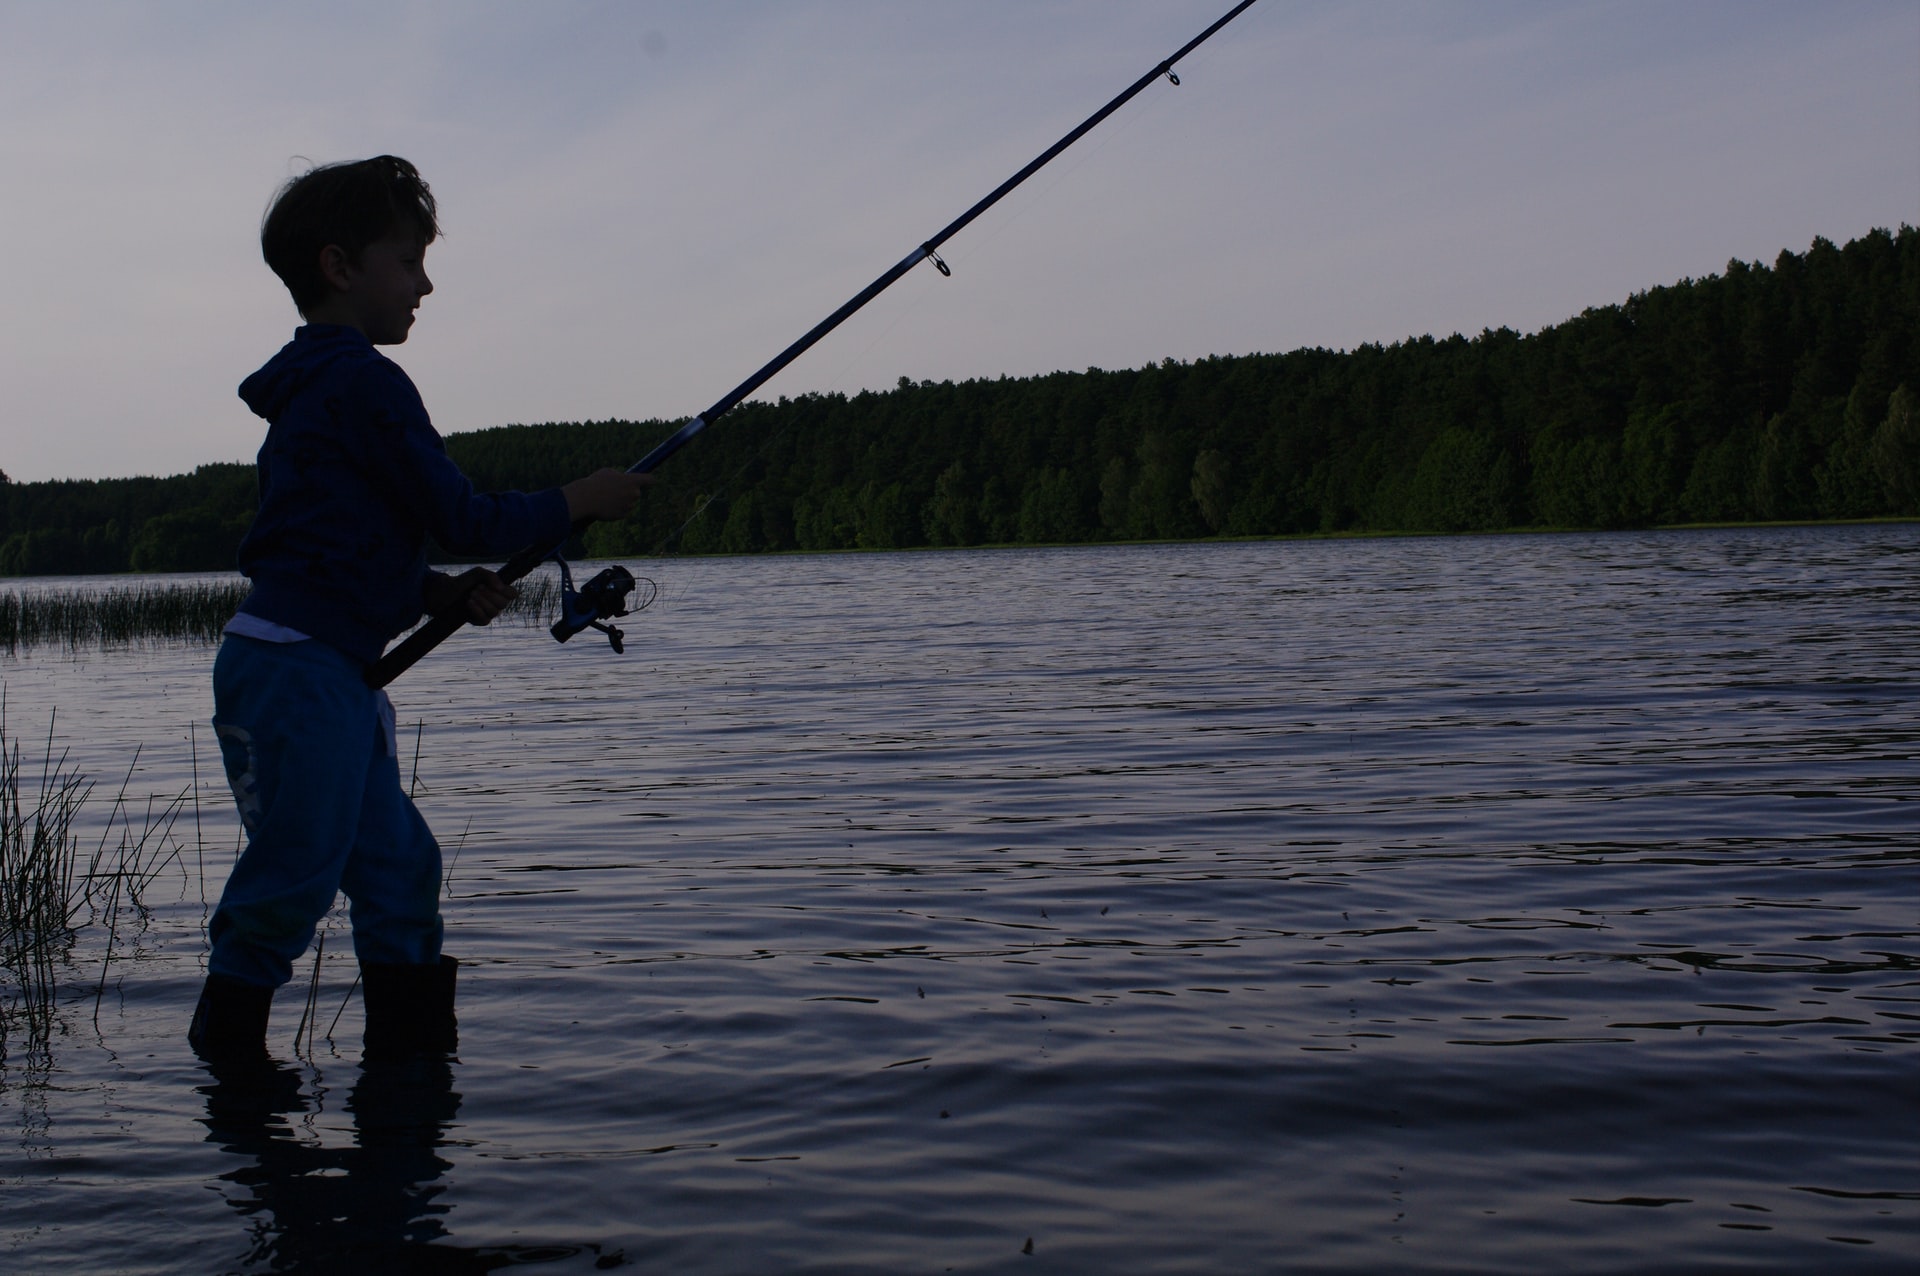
{"points": [[379, 293]]}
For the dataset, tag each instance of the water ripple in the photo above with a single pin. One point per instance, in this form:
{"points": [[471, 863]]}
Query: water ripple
{"points": [[1412, 905]]}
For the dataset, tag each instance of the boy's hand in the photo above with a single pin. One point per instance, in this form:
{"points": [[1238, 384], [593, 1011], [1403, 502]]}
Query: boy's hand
{"points": [[481, 593], [603, 495]]}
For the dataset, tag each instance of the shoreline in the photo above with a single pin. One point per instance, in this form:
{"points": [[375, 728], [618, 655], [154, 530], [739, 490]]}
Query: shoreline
{"points": [[10, 583]]}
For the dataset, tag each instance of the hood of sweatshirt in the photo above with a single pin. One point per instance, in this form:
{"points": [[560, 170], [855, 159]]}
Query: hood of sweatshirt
{"points": [[314, 348]]}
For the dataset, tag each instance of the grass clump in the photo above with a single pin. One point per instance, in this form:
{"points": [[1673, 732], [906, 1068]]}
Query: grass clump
{"points": [[48, 892], [38, 900], [117, 615]]}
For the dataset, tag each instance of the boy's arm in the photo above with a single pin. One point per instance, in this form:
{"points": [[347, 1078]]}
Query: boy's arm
{"points": [[425, 480], [411, 460]]}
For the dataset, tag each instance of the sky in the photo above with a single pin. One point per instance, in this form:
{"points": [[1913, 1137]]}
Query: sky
{"points": [[646, 200]]}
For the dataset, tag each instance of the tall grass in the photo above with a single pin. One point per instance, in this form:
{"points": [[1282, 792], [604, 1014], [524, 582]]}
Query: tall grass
{"points": [[539, 599], [38, 900], [117, 615], [196, 611], [48, 892]]}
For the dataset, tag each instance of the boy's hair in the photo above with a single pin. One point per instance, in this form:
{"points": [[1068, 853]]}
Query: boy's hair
{"points": [[351, 205]]}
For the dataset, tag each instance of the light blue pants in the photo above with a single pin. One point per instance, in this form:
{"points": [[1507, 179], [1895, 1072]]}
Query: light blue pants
{"points": [[308, 750]]}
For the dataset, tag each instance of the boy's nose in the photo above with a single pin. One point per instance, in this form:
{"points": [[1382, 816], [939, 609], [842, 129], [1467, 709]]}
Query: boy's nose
{"points": [[426, 284]]}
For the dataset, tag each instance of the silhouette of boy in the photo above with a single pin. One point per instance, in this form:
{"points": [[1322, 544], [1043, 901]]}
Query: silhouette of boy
{"points": [[353, 481]]}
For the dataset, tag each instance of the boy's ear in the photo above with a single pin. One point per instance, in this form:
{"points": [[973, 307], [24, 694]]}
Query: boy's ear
{"points": [[334, 267]]}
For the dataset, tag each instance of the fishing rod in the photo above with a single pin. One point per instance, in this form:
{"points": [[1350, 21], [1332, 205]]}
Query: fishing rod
{"points": [[604, 597]]}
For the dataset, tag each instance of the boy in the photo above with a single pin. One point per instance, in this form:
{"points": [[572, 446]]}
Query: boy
{"points": [[353, 479]]}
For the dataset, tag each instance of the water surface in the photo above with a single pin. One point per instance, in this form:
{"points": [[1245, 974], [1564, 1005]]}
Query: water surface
{"points": [[1455, 904]]}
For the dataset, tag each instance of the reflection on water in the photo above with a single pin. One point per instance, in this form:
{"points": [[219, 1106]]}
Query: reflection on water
{"points": [[1330, 906], [311, 1207], [368, 1206]]}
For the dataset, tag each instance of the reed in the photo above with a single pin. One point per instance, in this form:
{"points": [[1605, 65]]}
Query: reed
{"points": [[194, 611], [117, 615], [48, 894], [39, 898], [538, 601]]}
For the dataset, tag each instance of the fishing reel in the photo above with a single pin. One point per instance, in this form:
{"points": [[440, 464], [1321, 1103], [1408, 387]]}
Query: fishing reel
{"points": [[590, 607]]}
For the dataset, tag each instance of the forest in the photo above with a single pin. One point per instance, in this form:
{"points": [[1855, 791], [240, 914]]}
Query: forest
{"points": [[1764, 393]]}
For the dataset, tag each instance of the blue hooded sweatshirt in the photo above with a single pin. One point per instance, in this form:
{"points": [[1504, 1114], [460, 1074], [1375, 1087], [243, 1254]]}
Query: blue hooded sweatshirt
{"points": [[353, 480]]}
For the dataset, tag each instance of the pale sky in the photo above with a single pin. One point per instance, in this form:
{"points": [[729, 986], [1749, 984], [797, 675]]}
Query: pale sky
{"points": [[645, 201]]}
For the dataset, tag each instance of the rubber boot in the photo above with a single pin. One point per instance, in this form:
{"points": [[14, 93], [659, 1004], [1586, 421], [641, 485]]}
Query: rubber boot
{"points": [[409, 1010], [229, 1027]]}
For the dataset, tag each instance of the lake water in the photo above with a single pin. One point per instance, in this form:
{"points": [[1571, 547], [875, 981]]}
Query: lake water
{"points": [[1480, 904]]}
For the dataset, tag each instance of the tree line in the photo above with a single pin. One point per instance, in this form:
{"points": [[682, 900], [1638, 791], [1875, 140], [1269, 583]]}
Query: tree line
{"points": [[1767, 392]]}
